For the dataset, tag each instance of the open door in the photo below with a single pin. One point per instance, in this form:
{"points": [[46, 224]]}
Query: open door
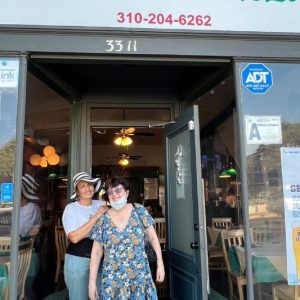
{"points": [[187, 244]]}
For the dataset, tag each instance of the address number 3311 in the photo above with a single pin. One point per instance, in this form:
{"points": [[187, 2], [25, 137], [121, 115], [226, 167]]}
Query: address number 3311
{"points": [[121, 46]]}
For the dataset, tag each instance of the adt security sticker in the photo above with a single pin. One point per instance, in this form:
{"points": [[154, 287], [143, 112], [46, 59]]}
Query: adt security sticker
{"points": [[257, 78]]}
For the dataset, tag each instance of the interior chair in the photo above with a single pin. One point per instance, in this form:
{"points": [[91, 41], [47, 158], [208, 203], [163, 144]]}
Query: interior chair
{"points": [[236, 279], [61, 244], [215, 253], [24, 258], [221, 223], [160, 228], [5, 244], [216, 259], [277, 231], [260, 229], [285, 292]]}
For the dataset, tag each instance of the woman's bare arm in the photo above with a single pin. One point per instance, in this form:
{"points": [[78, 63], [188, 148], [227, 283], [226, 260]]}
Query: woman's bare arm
{"points": [[160, 273], [96, 255], [84, 230]]}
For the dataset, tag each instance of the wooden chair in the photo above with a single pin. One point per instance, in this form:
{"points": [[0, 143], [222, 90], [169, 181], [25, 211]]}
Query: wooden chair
{"points": [[260, 229], [61, 244], [221, 223], [236, 279], [285, 292], [160, 228], [216, 259], [5, 244], [215, 252], [24, 259]]}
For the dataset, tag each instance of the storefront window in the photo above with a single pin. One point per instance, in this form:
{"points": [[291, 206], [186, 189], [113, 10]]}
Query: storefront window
{"points": [[9, 70], [270, 97]]}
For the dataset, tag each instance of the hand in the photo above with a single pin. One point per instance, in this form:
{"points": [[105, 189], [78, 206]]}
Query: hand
{"points": [[100, 211], [160, 272], [93, 294]]}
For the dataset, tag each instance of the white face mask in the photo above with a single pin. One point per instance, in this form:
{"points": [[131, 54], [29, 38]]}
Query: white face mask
{"points": [[119, 204]]}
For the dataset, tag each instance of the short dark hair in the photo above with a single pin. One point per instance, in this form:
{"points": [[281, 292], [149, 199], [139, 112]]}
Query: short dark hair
{"points": [[115, 181]]}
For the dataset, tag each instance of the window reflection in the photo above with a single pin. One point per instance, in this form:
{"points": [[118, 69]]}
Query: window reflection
{"points": [[8, 115], [264, 176]]}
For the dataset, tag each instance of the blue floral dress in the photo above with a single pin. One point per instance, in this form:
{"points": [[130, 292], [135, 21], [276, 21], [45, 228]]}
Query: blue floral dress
{"points": [[126, 273]]}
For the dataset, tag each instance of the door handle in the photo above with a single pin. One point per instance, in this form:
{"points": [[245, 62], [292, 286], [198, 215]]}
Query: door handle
{"points": [[194, 245]]}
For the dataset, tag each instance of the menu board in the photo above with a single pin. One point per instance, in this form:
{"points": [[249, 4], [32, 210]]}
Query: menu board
{"points": [[150, 188]]}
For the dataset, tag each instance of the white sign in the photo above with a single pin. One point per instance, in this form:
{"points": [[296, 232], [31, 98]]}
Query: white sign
{"points": [[290, 164], [278, 16], [263, 130], [9, 73]]}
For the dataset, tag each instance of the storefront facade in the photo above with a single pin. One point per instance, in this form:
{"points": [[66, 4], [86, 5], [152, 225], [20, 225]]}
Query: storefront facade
{"points": [[247, 38]]}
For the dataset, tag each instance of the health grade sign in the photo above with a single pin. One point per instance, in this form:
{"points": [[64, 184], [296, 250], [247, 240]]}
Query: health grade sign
{"points": [[257, 78]]}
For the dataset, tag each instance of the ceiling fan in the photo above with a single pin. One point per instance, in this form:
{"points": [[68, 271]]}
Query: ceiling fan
{"points": [[123, 136], [124, 155], [132, 131], [123, 158]]}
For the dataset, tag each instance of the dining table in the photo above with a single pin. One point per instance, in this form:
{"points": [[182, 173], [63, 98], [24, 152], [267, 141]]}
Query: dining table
{"points": [[268, 262]]}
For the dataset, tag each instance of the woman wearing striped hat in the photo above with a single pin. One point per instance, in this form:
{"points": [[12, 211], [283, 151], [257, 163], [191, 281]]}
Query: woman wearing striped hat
{"points": [[29, 226], [30, 213], [79, 217]]}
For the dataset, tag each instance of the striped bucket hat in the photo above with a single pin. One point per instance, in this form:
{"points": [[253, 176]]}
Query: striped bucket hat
{"points": [[29, 187], [84, 176]]}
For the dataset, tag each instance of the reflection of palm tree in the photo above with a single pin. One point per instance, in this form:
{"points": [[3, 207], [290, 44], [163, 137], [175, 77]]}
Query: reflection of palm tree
{"points": [[7, 159], [6, 133]]}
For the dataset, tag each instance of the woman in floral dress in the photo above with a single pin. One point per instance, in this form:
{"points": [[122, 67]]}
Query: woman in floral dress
{"points": [[119, 235]]}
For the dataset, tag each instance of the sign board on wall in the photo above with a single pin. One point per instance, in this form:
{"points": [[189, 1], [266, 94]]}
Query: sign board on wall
{"points": [[278, 16], [290, 163], [257, 78], [6, 192], [263, 130], [9, 73], [150, 188]]}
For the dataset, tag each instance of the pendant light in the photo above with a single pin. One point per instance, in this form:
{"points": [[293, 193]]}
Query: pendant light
{"points": [[231, 171], [224, 174], [124, 162], [123, 141]]}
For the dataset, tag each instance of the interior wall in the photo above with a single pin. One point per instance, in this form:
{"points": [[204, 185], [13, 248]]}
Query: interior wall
{"points": [[151, 155]]}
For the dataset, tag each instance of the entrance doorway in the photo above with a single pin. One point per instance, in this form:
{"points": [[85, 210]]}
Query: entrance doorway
{"points": [[117, 95]]}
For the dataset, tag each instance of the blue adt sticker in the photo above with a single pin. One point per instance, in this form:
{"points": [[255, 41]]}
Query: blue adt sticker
{"points": [[257, 78], [6, 192]]}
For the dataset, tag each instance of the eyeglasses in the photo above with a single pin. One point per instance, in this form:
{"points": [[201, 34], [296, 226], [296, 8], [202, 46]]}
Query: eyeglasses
{"points": [[117, 190]]}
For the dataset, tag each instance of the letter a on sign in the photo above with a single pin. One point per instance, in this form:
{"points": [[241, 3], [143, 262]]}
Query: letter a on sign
{"points": [[254, 133]]}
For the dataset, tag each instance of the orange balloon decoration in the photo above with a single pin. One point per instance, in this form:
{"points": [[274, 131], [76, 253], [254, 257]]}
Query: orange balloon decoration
{"points": [[43, 162], [35, 159], [53, 159], [48, 150]]}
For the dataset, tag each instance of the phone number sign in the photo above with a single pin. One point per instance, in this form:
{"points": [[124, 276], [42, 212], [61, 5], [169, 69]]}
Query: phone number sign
{"points": [[275, 16]]}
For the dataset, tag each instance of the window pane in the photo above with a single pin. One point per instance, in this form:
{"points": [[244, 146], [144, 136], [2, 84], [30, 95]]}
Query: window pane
{"points": [[264, 114], [9, 69]]}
